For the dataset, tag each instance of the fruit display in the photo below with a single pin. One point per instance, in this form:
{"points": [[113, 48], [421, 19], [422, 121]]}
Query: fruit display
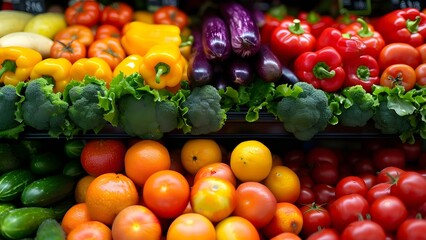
{"points": [[216, 123]]}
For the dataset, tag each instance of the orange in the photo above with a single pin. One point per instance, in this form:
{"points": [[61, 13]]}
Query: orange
{"points": [[144, 158], [93, 230], [108, 194], [287, 218], [236, 228], [251, 160], [81, 188], [191, 226], [284, 184], [286, 236], [74, 216], [101, 156], [197, 153]]}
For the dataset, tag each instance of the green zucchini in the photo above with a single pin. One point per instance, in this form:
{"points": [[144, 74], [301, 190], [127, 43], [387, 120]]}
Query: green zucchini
{"points": [[23, 222], [46, 163], [13, 183], [50, 229], [73, 168], [48, 190]]}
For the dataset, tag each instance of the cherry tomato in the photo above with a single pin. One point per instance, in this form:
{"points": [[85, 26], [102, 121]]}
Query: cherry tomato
{"points": [[106, 31], [324, 234], [306, 196], [347, 209], [377, 191], [321, 154], [324, 193], [364, 166], [364, 229], [314, 217], [389, 212], [399, 53], [387, 174], [410, 187], [369, 179], [85, 13], [412, 150], [389, 157], [421, 74], [412, 229], [172, 15], [326, 173], [398, 75], [349, 185], [117, 14], [69, 49]]}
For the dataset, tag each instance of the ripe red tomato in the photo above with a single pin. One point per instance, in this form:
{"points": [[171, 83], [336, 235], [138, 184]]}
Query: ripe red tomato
{"points": [[166, 193], [389, 157], [364, 229], [314, 218], [387, 174], [349, 185], [377, 191], [412, 228], [255, 202], [85, 13], [389, 212], [306, 196], [219, 169], [321, 154], [326, 173], [117, 14], [369, 179], [412, 150], [324, 193], [106, 31], [70, 49], [410, 187], [324, 234], [347, 209], [364, 166]]}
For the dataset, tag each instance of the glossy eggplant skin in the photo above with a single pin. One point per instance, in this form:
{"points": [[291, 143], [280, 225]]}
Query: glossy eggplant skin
{"points": [[200, 69], [267, 66], [215, 38], [239, 71], [245, 36], [288, 76]]}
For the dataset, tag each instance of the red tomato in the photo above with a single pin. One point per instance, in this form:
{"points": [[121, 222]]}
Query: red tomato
{"points": [[321, 154], [255, 202], [387, 174], [412, 229], [106, 31], [326, 173], [314, 218], [364, 229], [399, 53], [220, 170], [213, 197], [170, 15], [364, 166], [421, 74], [399, 75], [369, 179], [117, 14], [412, 150], [389, 212], [349, 185], [85, 13], [324, 193], [377, 191], [306, 180], [347, 209], [389, 157], [325, 234], [236, 228], [306, 196], [410, 187], [69, 49], [166, 193]]}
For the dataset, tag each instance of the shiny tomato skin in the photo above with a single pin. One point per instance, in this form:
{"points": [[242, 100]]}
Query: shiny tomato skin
{"points": [[395, 53], [386, 174], [347, 209], [364, 166], [369, 179], [85, 13], [321, 154], [364, 229], [306, 196], [389, 212], [349, 185], [410, 187], [117, 14], [324, 234], [324, 194], [377, 191], [389, 157], [219, 169], [412, 150], [314, 217], [412, 229], [326, 173], [421, 74]]}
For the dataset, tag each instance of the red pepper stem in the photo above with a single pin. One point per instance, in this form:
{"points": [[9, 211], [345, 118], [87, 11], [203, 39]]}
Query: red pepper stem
{"points": [[413, 26], [364, 32], [160, 70], [322, 70], [296, 28], [7, 66], [363, 73]]}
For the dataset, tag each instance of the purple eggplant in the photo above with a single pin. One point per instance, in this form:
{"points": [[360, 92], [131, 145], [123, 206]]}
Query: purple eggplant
{"points": [[239, 71], [288, 76], [200, 69], [267, 66], [245, 36], [215, 38]]}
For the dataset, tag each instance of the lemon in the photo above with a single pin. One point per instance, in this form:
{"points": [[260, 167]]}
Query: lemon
{"points": [[46, 24]]}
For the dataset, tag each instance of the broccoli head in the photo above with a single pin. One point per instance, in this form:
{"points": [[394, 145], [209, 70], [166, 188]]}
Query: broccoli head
{"points": [[389, 122], [84, 110], [145, 117], [43, 109], [10, 127], [304, 115], [204, 113], [360, 107]]}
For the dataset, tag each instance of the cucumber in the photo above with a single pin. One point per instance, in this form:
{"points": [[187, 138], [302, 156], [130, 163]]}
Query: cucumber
{"points": [[48, 190], [73, 168], [13, 183], [50, 229], [46, 163], [23, 222], [4, 209], [73, 148]]}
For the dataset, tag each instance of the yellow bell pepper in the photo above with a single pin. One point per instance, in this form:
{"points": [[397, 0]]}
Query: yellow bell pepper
{"points": [[139, 37], [56, 70], [163, 66], [17, 63], [128, 65], [94, 66]]}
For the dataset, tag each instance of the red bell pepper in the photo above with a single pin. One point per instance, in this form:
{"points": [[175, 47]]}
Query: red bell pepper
{"points": [[362, 71], [322, 68], [291, 39], [344, 19], [406, 25], [316, 21], [348, 46], [372, 39], [273, 18]]}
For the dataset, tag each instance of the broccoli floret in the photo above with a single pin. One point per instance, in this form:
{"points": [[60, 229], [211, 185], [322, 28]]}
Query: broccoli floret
{"points": [[304, 115], [389, 122], [359, 107], [204, 112], [84, 110], [145, 117], [43, 109], [10, 127]]}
